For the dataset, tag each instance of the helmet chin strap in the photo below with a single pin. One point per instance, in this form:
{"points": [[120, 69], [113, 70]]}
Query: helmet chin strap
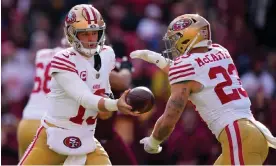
{"points": [[90, 52], [204, 43], [87, 51], [193, 41]]}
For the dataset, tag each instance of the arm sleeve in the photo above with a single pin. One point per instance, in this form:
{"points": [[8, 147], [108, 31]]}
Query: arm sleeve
{"points": [[77, 89]]}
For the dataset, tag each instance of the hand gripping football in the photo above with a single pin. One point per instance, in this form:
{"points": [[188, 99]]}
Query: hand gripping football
{"points": [[141, 99]]}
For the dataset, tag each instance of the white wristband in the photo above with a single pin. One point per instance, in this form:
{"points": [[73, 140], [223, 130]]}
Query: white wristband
{"points": [[154, 142], [110, 104]]}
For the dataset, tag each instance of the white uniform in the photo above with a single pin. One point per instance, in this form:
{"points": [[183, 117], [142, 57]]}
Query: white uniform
{"points": [[38, 103], [223, 99], [66, 111]]}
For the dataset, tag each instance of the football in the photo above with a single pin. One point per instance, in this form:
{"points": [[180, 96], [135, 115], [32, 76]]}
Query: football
{"points": [[141, 99]]}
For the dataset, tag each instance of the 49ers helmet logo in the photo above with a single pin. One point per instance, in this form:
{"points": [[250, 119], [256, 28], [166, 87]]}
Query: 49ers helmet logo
{"points": [[71, 17], [72, 142], [181, 24]]}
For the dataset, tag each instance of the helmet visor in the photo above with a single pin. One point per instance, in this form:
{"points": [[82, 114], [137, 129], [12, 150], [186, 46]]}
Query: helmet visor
{"points": [[170, 51]]}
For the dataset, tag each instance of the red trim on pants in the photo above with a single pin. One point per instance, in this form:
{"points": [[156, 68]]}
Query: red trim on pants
{"points": [[237, 130], [31, 146], [230, 145]]}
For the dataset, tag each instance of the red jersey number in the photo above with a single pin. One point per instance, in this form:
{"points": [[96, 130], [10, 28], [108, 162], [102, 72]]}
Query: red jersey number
{"points": [[90, 120], [236, 92], [41, 83]]}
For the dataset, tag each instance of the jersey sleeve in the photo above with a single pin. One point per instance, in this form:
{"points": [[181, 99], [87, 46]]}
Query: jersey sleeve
{"points": [[63, 62], [109, 53], [182, 70]]}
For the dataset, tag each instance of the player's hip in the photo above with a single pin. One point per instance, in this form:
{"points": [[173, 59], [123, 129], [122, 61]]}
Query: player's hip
{"points": [[25, 134], [40, 145], [242, 138], [228, 117], [27, 128], [66, 123], [247, 126], [241, 129], [63, 141]]}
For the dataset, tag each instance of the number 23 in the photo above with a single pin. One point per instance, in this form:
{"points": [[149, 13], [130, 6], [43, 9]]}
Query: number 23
{"points": [[223, 97]]}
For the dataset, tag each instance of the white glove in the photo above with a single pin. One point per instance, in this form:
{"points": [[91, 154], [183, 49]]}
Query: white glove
{"points": [[151, 145], [151, 57]]}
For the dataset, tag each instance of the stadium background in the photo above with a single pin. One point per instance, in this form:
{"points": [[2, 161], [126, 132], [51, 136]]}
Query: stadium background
{"points": [[245, 27]]}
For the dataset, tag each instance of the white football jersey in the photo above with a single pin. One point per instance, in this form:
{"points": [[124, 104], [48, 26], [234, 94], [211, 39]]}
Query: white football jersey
{"points": [[64, 108], [37, 104], [222, 99]]}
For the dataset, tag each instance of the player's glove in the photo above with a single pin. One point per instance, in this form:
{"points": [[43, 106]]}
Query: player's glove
{"points": [[151, 145], [151, 57]]}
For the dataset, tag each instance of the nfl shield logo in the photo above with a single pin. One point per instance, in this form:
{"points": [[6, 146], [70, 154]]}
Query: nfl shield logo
{"points": [[98, 75]]}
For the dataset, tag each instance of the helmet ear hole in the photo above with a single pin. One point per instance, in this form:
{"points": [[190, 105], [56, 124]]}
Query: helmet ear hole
{"points": [[185, 41]]}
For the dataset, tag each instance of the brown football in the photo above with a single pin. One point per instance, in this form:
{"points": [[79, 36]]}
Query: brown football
{"points": [[141, 99]]}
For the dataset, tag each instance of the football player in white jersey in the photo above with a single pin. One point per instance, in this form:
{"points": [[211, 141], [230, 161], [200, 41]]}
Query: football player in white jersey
{"points": [[79, 89], [205, 74], [38, 103]]}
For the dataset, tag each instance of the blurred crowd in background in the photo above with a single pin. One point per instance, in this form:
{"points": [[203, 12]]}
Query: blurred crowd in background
{"points": [[247, 28]]}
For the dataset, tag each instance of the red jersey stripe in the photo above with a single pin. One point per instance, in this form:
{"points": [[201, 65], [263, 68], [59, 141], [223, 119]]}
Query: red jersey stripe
{"points": [[64, 60], [180, 71], [181, 66], [61, 64], [183, 75], [64, 68]]}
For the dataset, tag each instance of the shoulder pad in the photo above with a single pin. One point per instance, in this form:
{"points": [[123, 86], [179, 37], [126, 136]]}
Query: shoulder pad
{"points": [[63, 61], [182, 69]]}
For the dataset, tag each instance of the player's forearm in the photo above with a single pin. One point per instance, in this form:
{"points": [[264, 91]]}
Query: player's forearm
{"points": [[167, 121], [79, 91], [162, 130]]}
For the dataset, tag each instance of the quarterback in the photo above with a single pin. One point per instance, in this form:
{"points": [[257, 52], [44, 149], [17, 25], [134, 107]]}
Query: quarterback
{"points": [[205, 74], [79, 90], [37, 106]]}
